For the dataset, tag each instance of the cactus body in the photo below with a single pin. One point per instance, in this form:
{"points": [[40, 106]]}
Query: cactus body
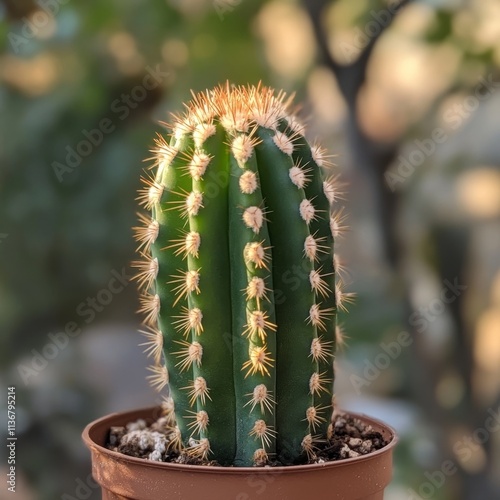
{"points": [[239, 278]]}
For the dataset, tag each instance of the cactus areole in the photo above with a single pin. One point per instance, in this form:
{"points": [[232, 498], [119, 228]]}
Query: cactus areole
{"points": [[239, 278]]}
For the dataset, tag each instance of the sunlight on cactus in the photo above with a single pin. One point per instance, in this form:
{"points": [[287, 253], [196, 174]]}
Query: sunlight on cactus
{"points": [[239, 278]]}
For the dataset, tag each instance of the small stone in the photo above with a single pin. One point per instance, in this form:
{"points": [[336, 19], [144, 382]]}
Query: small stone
{"points": [[159, 442], [115, 435], [351, 429], [146, 441], [132, 436], [344, 451], [366, 446], [155, 455], [340, 423], [137, 425]]}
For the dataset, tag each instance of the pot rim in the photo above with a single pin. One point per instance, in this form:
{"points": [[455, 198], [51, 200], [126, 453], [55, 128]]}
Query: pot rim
{"points": [[286, 469]]}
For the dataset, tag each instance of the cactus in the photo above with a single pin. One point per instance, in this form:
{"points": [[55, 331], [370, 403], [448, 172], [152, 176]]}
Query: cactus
{"points": [[239, 278]]}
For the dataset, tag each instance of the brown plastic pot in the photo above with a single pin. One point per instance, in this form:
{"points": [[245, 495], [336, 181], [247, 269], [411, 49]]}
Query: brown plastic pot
{"points": [[127, 478]]}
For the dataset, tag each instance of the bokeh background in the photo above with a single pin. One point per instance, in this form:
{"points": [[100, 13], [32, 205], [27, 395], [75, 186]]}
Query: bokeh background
{"points": [[408, 101]]}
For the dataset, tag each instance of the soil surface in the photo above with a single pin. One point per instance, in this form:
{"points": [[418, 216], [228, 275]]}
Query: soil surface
{"points": [[351, 438]]}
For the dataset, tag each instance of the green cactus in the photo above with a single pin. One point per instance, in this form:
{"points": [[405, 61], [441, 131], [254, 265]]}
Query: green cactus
{"points": [[239, 279]]}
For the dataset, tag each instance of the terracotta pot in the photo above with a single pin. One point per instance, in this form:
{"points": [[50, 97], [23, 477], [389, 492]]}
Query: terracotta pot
{"points": [[122, 477]]}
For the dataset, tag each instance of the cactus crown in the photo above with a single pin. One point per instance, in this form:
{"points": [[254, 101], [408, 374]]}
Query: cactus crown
{"points": [[239, 278]]}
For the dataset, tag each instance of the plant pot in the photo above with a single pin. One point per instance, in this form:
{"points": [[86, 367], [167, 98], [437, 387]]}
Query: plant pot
{"points": [[127, 478]]}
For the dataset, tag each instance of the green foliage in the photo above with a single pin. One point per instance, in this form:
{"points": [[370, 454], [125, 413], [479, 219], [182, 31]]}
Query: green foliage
{"points": [[442, 27]]}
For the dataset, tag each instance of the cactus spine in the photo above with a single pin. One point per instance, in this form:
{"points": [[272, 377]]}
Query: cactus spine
{"points": [[239, 279]]}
